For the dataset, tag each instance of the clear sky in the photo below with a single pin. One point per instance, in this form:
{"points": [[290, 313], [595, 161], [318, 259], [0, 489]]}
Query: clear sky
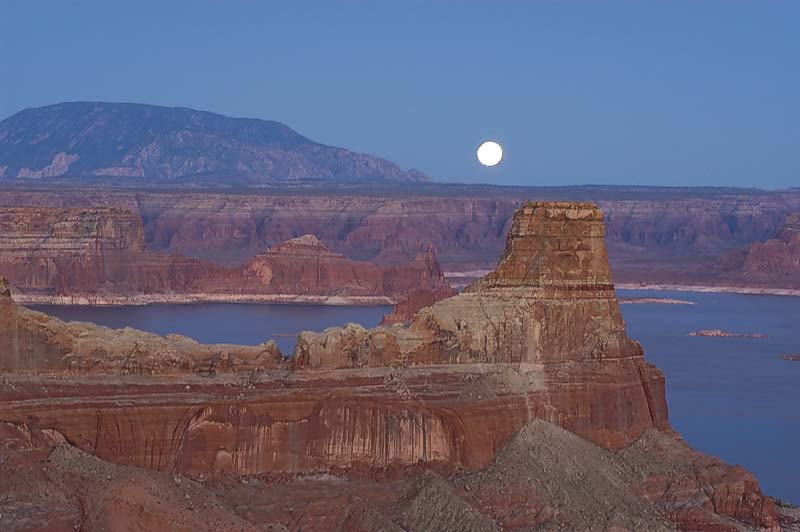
{"points": [[670, 93]]}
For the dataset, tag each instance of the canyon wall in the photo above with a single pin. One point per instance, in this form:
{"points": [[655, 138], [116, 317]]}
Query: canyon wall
{"points": [[99, 255], [653, 235], [762, 263], [458, 388], [542, 335], [549, 305]]}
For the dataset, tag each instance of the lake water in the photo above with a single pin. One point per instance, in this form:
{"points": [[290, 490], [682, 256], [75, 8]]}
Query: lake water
{"points": [[730, 397], [245, 323]]}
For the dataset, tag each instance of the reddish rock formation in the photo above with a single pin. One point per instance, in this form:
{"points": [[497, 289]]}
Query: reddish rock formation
{"points": [[98, 255], [549, 301], [485, 382], [47, 249], [653, 234], [305, 266], [416, 301], [33, 341], [776, 261], [56, 487]]}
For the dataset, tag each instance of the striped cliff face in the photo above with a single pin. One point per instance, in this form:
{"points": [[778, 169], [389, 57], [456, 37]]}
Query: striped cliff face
{"points": [[539, 339]]}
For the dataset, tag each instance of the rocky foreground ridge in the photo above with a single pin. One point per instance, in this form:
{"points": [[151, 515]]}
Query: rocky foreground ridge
{"points": [[98, 256], [519, 404]]}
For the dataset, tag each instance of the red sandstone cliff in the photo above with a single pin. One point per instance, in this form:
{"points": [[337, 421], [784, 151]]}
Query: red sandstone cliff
{"points": [[485, 382], [660, 235], [99, 255], [776, 260], [32, 341], [305, 266]]}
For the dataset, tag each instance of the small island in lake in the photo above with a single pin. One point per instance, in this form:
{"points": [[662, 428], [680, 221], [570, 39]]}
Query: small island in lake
{"points": [[653, 300], [719, 333]]}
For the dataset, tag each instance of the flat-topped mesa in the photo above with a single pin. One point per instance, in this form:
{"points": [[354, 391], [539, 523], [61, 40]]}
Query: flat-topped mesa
{"points": [[309, 243], [98, 255], [553, 245], [550, 299], [304, 265], [549, 311]]}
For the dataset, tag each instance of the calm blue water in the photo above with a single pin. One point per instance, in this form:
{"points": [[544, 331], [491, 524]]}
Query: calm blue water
{"points": [[248, 324], [730, 397]]}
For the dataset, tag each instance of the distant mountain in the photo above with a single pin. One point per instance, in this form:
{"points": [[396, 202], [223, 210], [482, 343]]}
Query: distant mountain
{"points": [[131, 144]]}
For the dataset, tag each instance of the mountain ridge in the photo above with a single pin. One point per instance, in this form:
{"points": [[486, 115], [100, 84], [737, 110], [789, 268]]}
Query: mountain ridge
{"points": [[133, 143]]}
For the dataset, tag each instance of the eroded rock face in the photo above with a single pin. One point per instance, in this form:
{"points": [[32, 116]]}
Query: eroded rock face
{"points": [[538, 344], [33, 341], [549, 305], [765, 263], [44, 248], [467, 224], [98, 255], [416, 301], [304, 265]]}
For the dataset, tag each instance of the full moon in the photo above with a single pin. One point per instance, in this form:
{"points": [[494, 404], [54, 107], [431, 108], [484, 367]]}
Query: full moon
{"points": [[490, 153]]}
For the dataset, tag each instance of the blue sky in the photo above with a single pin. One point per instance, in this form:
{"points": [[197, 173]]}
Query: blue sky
{"points": [[668, 93]]}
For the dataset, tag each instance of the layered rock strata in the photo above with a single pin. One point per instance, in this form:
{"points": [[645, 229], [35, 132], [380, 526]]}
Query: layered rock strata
{"points": [[549, 307], [98, 256], [31, 341], [762, 263], [654, 234], [461, 387]]}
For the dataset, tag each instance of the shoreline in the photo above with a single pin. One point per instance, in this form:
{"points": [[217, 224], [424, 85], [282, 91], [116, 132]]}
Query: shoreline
{"points": [[662, 287], [724, 289], [652, 300], [90, 300]]}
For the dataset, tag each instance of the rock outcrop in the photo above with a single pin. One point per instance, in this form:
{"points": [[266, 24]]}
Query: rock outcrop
{"points": [[305, 266], [31, 341], [550, 307], [775, 261], [55, 487], [45, 248], [98, 255], [654, 235], [416, 301], [523, 393]]}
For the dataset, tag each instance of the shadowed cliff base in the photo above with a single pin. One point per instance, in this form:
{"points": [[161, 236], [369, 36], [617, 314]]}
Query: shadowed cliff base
{"points": [[523, 395]]}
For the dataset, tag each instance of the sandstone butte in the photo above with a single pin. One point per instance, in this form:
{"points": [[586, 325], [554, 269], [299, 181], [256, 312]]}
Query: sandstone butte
{"points": [[98, 256], [519, 404], [654, 235]]}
